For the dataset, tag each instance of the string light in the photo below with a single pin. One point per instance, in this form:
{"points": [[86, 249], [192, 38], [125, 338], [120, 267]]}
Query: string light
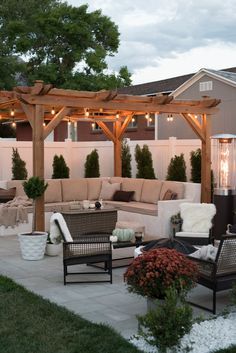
{"points": [[150, 120], [12, 112], [117, 115], [170, 117], [69, 122], [93, 125], [147, 116], [86, 113], [13, 124], [133, 120], [53, 111], [44, 124]]}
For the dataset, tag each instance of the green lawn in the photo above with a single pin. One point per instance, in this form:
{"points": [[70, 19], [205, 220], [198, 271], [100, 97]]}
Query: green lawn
{"points": [[30, 324]]}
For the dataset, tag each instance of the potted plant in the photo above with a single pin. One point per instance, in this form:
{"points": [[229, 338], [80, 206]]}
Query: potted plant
{"points": [[54, 245], [156, 271], [176, 223], [33, 244]]}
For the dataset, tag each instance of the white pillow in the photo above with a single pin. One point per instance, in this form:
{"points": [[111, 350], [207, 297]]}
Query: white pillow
{"points": [[58, 216], [197, 217], [108, 190]]}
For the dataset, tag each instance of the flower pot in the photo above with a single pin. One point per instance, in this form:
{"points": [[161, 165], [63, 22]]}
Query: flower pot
{"points": [[32, 245], [53, 249]]}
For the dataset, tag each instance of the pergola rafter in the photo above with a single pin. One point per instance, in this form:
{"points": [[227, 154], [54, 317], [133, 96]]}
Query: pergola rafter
{"points": [[35, 103]]}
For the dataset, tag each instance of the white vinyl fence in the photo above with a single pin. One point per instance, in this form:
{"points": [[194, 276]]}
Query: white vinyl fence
{"points": [[75, 155]]}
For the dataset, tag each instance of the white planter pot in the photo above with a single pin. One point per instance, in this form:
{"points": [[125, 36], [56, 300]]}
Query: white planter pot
{"points": [[33, 245], [53, 249]]}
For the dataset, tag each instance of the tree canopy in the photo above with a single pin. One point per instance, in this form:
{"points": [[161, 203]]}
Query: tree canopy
{"points": [[58, 43]]}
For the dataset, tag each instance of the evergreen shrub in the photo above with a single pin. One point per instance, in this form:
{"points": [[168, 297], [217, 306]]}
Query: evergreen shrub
{"points": [[144, 162], [19, 171], [92, 169], [195, 161], [126, 159], [60, 169], [177, 169]]}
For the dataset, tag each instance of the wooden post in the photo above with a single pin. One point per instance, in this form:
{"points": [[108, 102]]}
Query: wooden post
{"points": [[206, 160], [38, 163], [117, 149]]}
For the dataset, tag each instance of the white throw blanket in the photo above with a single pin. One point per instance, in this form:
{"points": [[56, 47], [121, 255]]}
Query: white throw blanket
{"points": [[14, 212], [206, 252]]}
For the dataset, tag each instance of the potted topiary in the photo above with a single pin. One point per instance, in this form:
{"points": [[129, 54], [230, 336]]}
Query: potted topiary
{"points": [[33, 244]]}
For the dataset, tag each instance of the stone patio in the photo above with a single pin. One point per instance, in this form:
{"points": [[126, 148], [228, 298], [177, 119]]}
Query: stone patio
{"points": [[100, 303]]}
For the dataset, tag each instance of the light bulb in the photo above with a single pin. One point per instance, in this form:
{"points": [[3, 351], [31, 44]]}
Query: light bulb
{"points": [[147, 116], [53, 111]]}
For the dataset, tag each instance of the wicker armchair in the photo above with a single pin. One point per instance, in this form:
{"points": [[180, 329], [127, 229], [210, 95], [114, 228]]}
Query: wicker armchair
{"points": [[87, 249], [220, 274]]}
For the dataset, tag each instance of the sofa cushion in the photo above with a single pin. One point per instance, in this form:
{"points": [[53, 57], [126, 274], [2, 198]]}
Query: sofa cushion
{"points": [[94, 188], [7, 194], [132, 184], [74, 189], [151, 191], [116, 179], [108, 190], [18, 185], [170, 195], [53, 192], [174, 186], [125, 196], [135, 207]]}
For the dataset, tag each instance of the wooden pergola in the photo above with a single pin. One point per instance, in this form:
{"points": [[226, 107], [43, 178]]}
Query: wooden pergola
{"points": [[35, 104]]}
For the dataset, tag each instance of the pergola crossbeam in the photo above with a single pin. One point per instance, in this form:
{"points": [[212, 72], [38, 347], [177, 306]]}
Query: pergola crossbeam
{"points": [[56, 120]]}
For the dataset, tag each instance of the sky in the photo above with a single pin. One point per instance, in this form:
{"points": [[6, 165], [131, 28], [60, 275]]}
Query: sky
{"points": [[160, 39]]}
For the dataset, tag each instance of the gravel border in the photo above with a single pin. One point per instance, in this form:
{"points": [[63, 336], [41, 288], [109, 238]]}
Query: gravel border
{"points": [[204, 337]]}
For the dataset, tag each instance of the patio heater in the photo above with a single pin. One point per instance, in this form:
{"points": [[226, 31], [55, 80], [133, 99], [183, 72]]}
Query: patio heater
{"points": [[224, 196]]}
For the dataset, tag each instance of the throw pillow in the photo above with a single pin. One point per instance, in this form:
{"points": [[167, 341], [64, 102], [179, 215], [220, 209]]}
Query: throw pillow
{"points": [[169, 195], [125, 196], [108, 190], [7, 194]]}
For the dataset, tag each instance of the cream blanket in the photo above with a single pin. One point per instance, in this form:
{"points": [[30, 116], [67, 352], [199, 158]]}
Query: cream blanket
{"points": [[14, 212]]}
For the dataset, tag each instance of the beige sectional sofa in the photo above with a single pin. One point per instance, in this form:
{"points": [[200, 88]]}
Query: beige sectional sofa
{"points": [[146, 207]]}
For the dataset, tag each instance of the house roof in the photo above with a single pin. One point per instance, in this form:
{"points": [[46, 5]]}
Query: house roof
{"points": [[227, 76], [171, 84]]}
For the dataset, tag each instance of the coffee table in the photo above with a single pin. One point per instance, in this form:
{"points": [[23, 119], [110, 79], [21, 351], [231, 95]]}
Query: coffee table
{"points": [[81, 221]]}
